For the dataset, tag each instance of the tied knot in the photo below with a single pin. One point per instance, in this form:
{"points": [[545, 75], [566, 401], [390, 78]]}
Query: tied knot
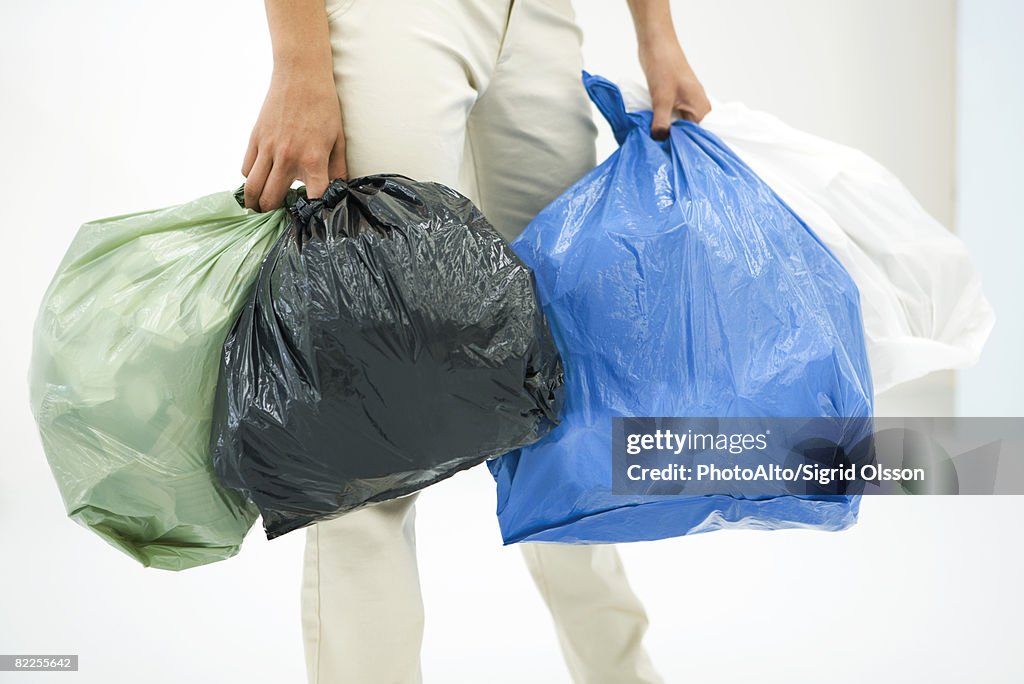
{"points": [[305, 209]]}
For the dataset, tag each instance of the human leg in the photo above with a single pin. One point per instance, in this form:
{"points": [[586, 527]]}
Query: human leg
{"points": [[407, 73], [532, 136]]}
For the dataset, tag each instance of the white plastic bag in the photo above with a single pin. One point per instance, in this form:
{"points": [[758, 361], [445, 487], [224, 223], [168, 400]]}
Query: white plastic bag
{"points": [[921, 296]]}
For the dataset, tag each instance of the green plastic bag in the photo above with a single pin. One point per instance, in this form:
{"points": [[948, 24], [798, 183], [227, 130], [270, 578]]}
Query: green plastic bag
{"points": [[124, 370]]}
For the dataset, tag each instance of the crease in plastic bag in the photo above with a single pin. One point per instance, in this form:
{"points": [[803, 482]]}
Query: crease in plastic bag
{"points": [[921, 296], [123, 373], [392, 340], [678, 284]]}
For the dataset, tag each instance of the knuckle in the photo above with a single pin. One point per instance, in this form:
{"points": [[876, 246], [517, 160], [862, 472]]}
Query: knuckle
{"points": [[312, 160], [285, 152]]}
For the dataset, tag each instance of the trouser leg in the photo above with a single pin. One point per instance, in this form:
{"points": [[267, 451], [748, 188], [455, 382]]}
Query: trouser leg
{"points": [[405, 99], [532, 136], [412, 75], [599, 620], [362, 613]]}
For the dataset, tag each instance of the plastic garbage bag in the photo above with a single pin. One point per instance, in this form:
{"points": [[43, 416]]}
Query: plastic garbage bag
{"points": [[124, 370], [678, 284], [393, 339], [921, 297]]}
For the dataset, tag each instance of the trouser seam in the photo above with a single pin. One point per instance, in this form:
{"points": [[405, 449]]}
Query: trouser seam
{"points": [[477, 188], [316, 656], [504, 34]]}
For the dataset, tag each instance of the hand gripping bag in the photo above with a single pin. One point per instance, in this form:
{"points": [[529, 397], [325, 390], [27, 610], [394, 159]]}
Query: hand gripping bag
{"points": [[921, 296], [124, 369], [393, 339], [678, 284]]}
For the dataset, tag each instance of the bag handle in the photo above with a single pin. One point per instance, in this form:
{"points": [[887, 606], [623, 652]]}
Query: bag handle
{"points": [[293, 195], [608, 98], [299, 205], [305, 209]]}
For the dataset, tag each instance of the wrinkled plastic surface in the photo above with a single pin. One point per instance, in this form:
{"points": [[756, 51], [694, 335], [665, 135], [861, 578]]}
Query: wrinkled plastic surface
{"points": [[678, 284], [124, 369], [392, 341], [921, 296]]}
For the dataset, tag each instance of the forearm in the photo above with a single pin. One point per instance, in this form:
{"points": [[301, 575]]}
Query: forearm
{"points": [[670, 79], [298, 135], [300, 37], [652, 20]]}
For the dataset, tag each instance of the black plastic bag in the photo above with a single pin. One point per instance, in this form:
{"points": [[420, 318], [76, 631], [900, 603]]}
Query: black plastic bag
{"points": [[392, 340]]}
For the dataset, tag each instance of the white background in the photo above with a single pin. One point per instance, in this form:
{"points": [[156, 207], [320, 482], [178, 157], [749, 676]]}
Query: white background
{"points": [[110, 107], [989, 147]]}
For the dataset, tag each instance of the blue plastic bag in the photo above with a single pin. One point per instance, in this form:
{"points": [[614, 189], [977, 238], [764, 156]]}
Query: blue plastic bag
{"points": [[677, 283]]}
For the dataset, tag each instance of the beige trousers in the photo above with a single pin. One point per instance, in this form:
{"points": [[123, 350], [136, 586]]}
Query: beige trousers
{"points": [[484, 96]]}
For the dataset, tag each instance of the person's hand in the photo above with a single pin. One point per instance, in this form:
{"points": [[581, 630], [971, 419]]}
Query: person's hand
{"points": [[672, 84], [298, 136], [670, 80]]}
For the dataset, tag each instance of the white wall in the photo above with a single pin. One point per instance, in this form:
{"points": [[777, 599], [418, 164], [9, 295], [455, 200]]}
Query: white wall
{"points": [[990, 146], [113, 106]]}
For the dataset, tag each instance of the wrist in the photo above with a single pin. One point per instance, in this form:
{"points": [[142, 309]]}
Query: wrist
{"points": [[300, 57], [658, 42], [292, 56], [663, 60], [303, 68], [654, 35]]}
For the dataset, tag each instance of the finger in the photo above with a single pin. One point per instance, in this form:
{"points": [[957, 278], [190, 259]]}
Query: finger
{"points": [[662, 119], [250, 157], [703, 111], [694, 112], [337, 167], [278, 182], [315, 178], [689, 115], [255, 181]]}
